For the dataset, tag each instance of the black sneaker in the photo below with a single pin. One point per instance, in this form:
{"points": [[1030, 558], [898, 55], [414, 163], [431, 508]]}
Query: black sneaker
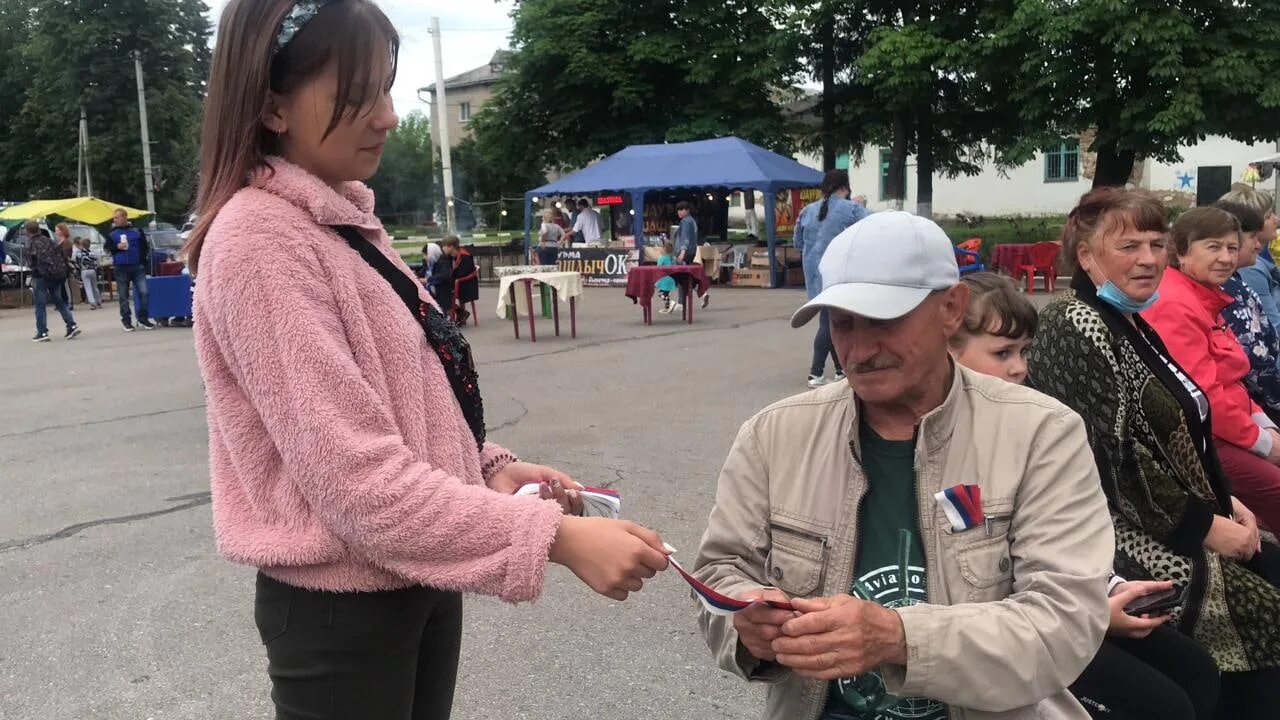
{"points": [[128, 326], [146, 325], [706, 300], [73, 332], [41, 337]]}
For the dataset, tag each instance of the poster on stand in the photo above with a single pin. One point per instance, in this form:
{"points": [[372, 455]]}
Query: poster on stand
{"points": [[788, 207], [599, 267]]}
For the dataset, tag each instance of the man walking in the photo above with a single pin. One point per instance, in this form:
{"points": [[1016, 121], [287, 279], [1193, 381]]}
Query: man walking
{"points": [[48, 274], [942, 536], [130, 252], [686, 244]]}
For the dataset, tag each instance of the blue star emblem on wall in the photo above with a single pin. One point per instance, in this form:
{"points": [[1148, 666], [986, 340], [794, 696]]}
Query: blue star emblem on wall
{"points": [[1184, 180]]}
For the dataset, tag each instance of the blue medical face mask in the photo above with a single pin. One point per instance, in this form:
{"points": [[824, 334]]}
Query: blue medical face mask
{"points": [[1115, 297]]}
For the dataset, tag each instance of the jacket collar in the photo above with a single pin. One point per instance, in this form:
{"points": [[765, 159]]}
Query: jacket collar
{"points": [[934, 429], [353, 206], [1213, 300]]}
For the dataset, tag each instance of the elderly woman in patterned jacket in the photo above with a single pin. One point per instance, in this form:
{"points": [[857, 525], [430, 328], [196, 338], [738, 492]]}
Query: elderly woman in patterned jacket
{"points": [[1247, 315], [1151, 433]]}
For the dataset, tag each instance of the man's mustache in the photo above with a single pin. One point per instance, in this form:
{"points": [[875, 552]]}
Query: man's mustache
{"points": [[879, 362]]}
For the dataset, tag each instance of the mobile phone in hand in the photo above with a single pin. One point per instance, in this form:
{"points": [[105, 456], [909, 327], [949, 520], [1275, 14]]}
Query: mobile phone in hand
{"points": [[1157, 603]]}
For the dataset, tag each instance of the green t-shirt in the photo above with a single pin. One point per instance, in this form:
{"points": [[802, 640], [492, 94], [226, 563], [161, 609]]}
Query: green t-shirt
{"points": [[889, 570]]}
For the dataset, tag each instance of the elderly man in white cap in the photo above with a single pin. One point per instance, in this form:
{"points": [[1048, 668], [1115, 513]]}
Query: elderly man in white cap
{"points": [[941, 536]]}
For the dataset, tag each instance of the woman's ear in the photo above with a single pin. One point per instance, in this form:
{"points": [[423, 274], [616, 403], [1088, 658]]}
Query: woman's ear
{"points": [[272, 117]]}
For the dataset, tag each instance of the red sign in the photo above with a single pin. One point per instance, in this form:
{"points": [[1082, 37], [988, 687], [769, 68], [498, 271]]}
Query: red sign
{"points": [[609, 200]]}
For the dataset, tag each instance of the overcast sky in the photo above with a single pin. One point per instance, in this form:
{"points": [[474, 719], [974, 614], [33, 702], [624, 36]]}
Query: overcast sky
{"points": [[471, 30]]}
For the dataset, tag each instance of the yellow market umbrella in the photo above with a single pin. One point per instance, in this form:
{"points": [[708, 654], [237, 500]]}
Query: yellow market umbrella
{"points": [[87, 210]]}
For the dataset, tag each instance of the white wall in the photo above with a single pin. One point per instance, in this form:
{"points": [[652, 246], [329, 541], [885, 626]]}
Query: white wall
{"points": [[1212, 150], [1024, 191]]}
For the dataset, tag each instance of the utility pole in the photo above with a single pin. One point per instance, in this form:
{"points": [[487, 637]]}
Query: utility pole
{"points": [[146, 138], [442, 121], [82, 169]]}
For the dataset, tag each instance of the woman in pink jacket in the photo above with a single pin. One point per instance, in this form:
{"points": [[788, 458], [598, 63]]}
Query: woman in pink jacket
{"points": [[1188, 318], [346, 431]]}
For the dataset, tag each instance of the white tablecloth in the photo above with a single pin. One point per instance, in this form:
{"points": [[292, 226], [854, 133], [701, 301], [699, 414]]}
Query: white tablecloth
{"points": [[505, 270], [566, 284]]}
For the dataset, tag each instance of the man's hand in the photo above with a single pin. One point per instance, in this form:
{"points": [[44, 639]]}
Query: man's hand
{"points": [[1245, 517], [840, 637], [759, 625], [1126, 625]]}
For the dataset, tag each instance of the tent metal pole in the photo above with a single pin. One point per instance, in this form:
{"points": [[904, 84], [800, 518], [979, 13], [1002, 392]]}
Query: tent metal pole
{"points": [[637, 222], [771, 231], [528, 215]]}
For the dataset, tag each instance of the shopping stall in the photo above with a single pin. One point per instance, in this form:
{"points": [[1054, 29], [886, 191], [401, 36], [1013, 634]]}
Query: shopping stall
{"points": [[644, 178]]}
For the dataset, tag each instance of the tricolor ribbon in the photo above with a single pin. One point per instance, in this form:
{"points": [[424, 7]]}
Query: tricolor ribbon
{"points": [[717, 603], [963, 506]]}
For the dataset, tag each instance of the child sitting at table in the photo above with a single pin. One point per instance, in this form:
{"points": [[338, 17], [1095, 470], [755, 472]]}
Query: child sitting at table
{"points": [[666, 285]]}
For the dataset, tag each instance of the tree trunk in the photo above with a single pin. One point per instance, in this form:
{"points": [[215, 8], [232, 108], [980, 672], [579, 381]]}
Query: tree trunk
{"points": [[1113, 168], [828, 95], [924, 161], [896, 181]]}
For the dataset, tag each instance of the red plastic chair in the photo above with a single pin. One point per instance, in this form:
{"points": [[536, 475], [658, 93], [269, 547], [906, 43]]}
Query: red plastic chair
{"points": [[457, 286], [1044, 259]]}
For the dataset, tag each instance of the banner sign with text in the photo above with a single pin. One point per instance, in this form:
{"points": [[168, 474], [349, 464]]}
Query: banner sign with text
{"points": [[600, 267]]}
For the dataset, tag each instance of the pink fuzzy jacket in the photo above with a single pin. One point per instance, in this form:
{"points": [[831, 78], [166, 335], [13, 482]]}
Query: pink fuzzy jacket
{"points": [[340, 459]]}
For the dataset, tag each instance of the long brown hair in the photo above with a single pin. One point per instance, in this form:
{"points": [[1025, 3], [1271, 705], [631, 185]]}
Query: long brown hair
{"points": [[832, 182], [247, 67]]}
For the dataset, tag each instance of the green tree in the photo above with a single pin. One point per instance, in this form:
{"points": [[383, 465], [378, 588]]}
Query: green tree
{"points": [[1146, 75], [590, 77], [900, 73], [404, 182], [79, 53]]}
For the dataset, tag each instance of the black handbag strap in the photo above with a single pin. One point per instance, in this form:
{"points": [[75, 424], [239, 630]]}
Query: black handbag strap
{"points": [[442, 334], [407, 289]]}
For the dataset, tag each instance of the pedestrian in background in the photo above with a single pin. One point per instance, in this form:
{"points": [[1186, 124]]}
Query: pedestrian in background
{"points": [[62, 236], [48, 272], [686, 247], [87, 263], [835, 214], [550, 237], [129, 250]]}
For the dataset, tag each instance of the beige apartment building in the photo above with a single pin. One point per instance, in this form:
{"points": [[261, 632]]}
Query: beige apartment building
{"points": [[464, 95]]}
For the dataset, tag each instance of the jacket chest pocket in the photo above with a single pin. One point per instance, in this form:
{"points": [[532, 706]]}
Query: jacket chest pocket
{"points": [[983, 558], [797, 560]]}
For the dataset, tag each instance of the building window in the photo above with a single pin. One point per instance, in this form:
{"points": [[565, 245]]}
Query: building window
{"points": [[885, 155], [1062, 163], [464, 112]]}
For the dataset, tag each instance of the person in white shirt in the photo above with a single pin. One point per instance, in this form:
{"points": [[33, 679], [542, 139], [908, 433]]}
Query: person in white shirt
{"points": [[588, 227]]}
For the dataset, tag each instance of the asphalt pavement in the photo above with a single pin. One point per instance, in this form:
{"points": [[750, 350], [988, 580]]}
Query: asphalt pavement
{"points": [[115, 605]]}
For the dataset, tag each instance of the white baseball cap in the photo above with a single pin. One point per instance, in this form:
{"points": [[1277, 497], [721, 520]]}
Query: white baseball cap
{"points": [[883, 267]]}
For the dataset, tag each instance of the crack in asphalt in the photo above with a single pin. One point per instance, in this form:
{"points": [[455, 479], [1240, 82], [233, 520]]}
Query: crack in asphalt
{"points": [[524, 410], [187, 502], [102, 421]]}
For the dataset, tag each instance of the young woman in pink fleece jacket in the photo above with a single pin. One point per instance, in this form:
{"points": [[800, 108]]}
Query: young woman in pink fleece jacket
{"points": [[346, 432]]}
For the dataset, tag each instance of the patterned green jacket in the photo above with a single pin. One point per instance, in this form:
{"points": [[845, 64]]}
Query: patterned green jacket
{"points": [[1162, 478]]}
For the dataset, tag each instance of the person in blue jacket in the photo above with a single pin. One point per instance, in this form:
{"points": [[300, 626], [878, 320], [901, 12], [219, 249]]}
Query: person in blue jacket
{"points": [[130, 250], [817, 226]]}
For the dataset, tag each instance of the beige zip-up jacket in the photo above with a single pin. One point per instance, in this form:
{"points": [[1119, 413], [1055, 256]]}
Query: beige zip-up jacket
{"points": [[1016, 610]]}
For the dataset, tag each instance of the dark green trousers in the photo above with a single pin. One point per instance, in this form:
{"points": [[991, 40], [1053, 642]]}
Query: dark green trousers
{"points": [[359, 656]]}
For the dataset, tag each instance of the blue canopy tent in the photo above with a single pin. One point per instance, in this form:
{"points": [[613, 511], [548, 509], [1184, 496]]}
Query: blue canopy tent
{"points": [[726, 164]]}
